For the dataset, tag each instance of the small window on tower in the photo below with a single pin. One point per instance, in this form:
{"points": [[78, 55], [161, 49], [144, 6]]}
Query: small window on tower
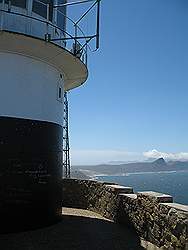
{"points": [[60, 93]]}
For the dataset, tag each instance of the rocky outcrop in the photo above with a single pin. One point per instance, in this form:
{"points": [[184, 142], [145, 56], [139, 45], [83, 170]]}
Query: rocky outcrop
{"points": [[154, 217]]}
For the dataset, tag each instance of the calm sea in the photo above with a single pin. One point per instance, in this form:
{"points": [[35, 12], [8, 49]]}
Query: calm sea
{"points": [[173, 183]]}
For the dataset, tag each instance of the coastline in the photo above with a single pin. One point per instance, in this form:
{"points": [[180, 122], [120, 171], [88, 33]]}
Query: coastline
{"points": [[92, 174], [172, 183]]}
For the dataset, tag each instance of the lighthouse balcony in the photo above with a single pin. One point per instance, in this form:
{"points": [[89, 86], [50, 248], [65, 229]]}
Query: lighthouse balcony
{"points": [[39, 19], [37, 29]]}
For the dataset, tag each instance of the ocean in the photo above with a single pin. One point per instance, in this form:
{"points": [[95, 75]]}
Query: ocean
{"points": [[173, 183]]}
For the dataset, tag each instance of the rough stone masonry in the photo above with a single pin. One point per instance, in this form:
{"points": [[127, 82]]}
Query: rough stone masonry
{"points": [[154, 217]]}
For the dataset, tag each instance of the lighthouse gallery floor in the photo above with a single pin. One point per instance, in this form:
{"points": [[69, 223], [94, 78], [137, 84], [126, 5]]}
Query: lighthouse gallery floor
{"points": [[78, 230]]}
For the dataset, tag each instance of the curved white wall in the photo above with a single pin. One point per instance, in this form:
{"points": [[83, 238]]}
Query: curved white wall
{"points": [[29, 89]]}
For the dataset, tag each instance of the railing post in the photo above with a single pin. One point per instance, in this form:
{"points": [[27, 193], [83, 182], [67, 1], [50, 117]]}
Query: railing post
{"points": [[98, 24], [3, 4], [29, 7], [47, 36], [75, 35], [9, 5], [48, 12], [86, 54], [29, 13], [2, 15]]}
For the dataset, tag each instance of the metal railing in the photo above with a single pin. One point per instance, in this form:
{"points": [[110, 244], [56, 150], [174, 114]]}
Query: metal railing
{"points": [[77, 45]]}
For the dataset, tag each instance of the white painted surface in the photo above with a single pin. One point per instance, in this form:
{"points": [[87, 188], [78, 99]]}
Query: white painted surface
{"points": [[28, 89], [74, 71], [27, 32]]}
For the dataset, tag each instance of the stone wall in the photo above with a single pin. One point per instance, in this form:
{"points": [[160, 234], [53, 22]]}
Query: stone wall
{"points": [[157, 223], [91, 195], [163, 224]]}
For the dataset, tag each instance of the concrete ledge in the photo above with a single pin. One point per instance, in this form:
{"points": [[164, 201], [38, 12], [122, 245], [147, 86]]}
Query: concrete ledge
{"points": [[162, 198], [179, 207], [132, 196], [120, 189]]}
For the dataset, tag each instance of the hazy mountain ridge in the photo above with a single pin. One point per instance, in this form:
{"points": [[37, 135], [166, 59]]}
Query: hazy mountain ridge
{"points": [[77, 174], [158, 165]]}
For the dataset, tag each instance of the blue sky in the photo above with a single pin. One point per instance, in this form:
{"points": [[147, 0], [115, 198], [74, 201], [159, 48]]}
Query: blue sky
{"points": [[134, 103]]}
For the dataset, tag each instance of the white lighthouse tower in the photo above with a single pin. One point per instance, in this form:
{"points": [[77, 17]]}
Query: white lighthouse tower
{"points": [[36, 67]]}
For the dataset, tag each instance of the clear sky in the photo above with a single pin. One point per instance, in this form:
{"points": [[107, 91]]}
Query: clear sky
{"points": [[134, 104]]}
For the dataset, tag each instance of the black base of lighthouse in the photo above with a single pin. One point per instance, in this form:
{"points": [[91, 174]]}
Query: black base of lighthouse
{"points": [[30, 174]]}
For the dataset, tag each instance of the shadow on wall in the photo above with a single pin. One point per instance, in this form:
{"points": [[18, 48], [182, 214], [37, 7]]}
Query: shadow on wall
{"points": [[75, 232]]}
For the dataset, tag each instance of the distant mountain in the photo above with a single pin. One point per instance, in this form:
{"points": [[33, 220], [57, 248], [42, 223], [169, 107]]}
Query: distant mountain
{"points": [[77, 174], [119, 169], [160, 162]]}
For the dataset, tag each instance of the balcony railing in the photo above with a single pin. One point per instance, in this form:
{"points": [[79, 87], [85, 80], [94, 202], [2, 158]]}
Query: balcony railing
{"points": [[22, 21]]}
